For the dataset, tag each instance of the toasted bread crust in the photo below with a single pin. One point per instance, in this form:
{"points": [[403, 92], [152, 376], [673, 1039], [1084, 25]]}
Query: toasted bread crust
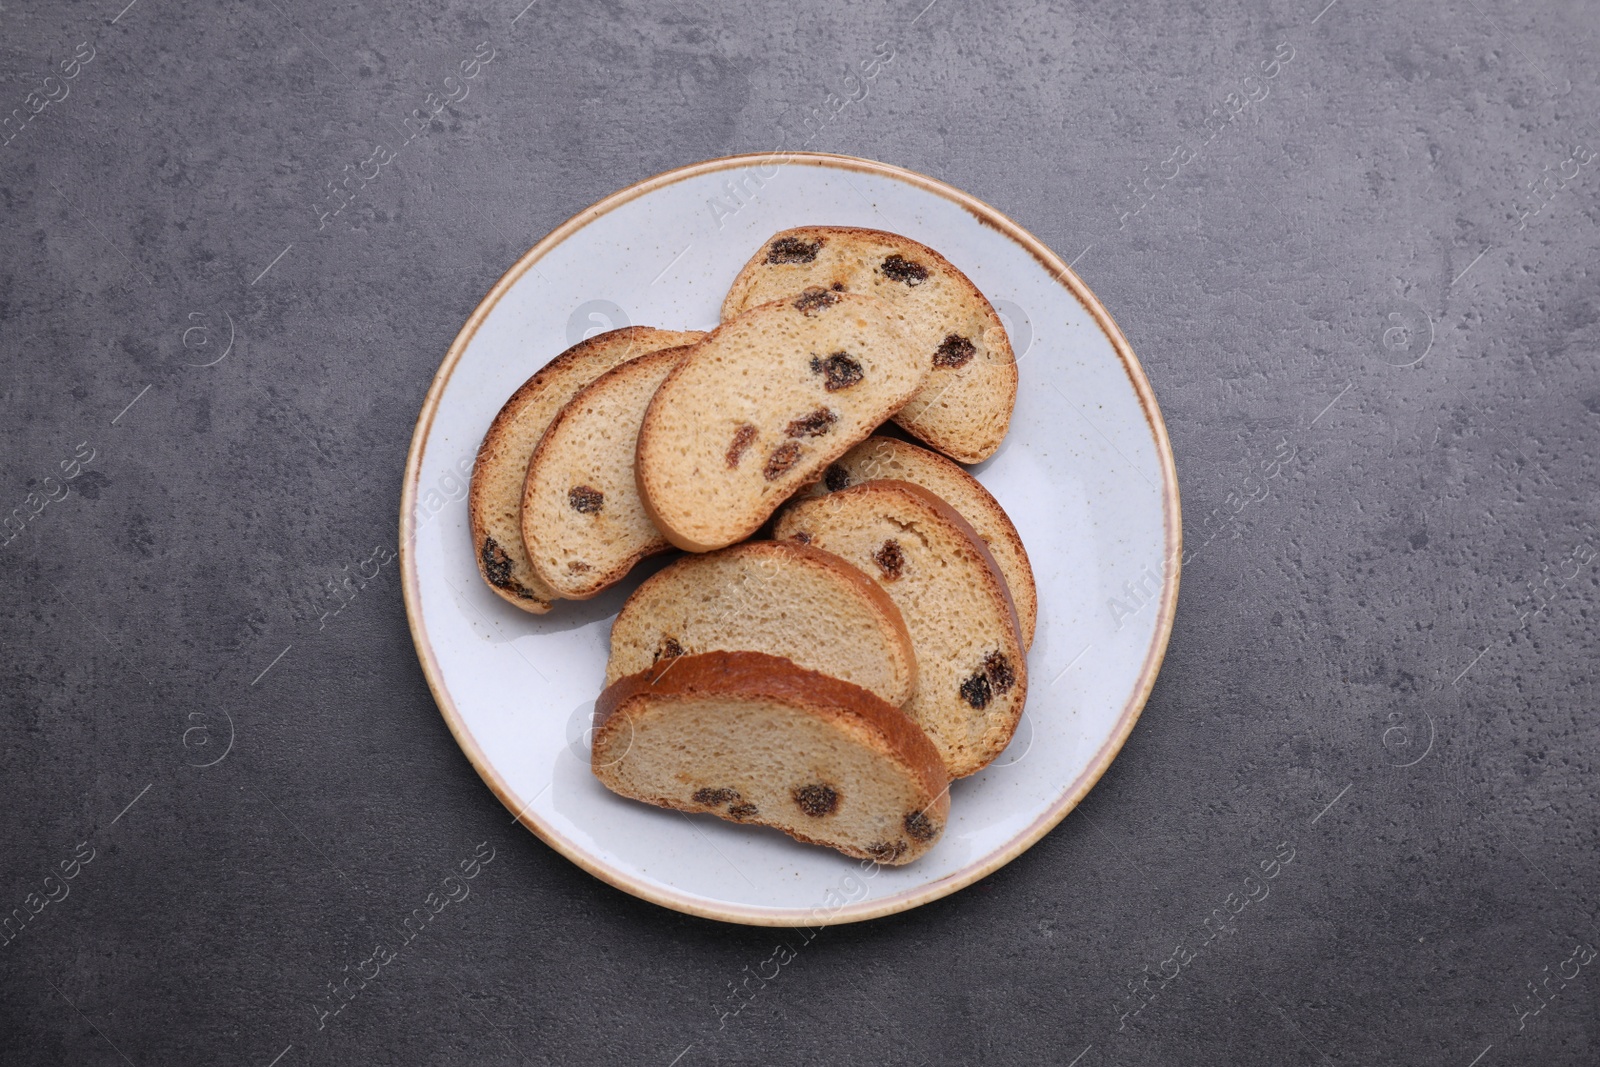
{"points": [[874, 460], [758, 676], [775, 678], [786, 554], [981, 378], [509, 443], [647, 543]]}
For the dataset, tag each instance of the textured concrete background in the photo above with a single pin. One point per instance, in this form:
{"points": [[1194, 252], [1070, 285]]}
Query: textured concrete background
{"points": [[1382, 670]]}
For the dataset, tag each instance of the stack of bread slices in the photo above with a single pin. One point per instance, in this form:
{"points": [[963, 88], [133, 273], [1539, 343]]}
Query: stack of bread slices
{"points": [[848, 629]]}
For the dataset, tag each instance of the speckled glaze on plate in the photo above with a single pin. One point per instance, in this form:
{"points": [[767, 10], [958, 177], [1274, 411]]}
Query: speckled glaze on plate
{"points": [[1086, 474]]}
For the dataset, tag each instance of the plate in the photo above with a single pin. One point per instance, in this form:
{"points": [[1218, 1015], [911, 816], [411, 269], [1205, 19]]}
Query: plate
{"points": [[1086, 474]]}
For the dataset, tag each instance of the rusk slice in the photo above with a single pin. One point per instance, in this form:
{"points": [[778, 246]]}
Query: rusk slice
{"points": [[754, 738], [495, 502], [972, 673], [964, 408], [583, 524], [777, 597], [762, 405], [888, 457]]}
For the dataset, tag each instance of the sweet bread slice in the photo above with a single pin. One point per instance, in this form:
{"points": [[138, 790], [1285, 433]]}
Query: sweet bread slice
{"points": [[889, 457], [763, 404], [583, 524], [972, 673], [965, 406], [755, 739], [777, 597], [495, 503]]}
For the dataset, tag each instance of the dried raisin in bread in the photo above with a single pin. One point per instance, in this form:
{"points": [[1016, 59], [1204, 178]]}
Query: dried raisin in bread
{"points": [[582, 522], [972, 674], [964, 408], [762, 405], [495, 502], [755, 739], [777, 597], [889, 457]]}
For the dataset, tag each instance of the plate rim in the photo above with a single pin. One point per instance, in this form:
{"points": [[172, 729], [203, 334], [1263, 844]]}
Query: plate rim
{"points": [[992, 860]]}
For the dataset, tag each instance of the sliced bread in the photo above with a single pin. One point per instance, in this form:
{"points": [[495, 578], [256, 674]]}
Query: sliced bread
{"points": [[755, 739], [495, 502], [964, 408], [972, 672], [777, 597], [762, 405], [889, 457], [582, 522]]}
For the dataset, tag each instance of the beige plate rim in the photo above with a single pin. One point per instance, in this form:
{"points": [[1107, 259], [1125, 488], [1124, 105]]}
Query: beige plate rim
{"points": [[870, 909]]}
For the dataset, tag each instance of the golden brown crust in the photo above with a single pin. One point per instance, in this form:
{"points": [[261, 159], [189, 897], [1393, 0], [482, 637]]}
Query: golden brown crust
{"points": [[638, 364], [760, 676], [539, 600]]}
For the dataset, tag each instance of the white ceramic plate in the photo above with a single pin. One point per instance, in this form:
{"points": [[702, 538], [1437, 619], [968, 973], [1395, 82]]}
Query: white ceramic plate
{"points": [[1086, 474]]}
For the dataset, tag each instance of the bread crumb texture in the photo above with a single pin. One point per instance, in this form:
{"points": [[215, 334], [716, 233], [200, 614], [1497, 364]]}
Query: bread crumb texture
{"points": [[817, 758], [964, 408], [888, 457], [495, 501], [763, 405], [971, 667], [583, 524], [809, 607]]}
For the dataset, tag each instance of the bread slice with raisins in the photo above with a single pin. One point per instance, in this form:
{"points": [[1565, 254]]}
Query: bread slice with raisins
{"points": [[583, 524], [495, 503], [777, 597], [972, 672], [763, 404], [965, 406], [889, 457], [753, 738]]}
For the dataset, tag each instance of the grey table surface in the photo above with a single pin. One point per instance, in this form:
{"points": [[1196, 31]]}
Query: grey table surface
{"points": [[1366, 230]]}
